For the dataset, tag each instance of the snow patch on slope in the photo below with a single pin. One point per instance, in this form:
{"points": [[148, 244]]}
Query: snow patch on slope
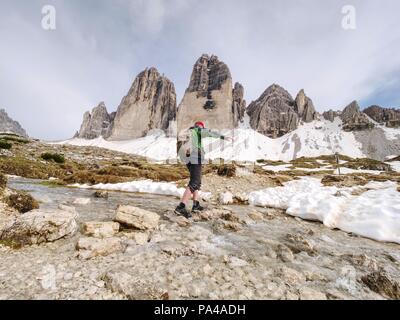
{"points": [[374, 214], [395, 165], [321, 138], [142, 186], [391, 133], [313, 139], [156, 146]]}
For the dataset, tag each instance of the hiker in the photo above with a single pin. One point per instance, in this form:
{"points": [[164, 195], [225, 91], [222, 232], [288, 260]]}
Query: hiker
{"points": [[192, 153]]}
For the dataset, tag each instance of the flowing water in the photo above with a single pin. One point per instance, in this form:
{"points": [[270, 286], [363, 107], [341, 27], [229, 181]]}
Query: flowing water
{"points": [[98, 209], [277, 257]]}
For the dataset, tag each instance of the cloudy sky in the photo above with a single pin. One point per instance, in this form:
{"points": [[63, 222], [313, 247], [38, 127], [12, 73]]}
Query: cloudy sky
{"points": [[49, 78]]}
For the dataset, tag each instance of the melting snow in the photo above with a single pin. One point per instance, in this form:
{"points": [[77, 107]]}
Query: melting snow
{"points": [[142, 186], [156, 146], [309, 140], [374, 214], [313, 139], [344, 170], [391, 133], [395, 165], [283, 167]]}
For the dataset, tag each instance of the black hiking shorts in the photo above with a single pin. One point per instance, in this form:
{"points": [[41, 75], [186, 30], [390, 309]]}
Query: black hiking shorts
{"points": [[195, 177]]}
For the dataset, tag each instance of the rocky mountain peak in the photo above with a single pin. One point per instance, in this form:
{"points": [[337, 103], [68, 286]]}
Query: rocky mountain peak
{"points": [[273, 113], [239, 104], [8, 125], [144, 84], [209, 73], [96, 123], [385, 116], [353, 119], [149, 104], [305, 107], [351, 110], [276, 91], [330, 115], [211, 97]]}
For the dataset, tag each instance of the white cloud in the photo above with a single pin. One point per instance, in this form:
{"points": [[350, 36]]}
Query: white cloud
{"points": [[150, 17], [96, 52]]}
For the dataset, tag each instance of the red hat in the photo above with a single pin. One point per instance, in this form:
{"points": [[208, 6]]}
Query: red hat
{"points": [[200, 124]]}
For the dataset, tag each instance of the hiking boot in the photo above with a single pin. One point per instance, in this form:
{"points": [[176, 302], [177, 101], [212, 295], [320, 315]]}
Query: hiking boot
{"points": [[197, 207], [182, 211]]}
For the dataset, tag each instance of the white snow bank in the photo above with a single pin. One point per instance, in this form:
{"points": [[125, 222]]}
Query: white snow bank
{"points": [[156, 146], [313, 139], [142, 186], [395, 165], [374, 214], [320, 137], [391, 133], [11, 176], [287, 167], [282, 167], [344, 170]]}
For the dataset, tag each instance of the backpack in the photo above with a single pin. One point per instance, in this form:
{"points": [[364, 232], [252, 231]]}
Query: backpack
{"points": [[185, 145]]}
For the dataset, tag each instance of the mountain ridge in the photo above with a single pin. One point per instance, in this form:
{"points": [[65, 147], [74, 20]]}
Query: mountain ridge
{"points": [[212, 97], [8, 125]]}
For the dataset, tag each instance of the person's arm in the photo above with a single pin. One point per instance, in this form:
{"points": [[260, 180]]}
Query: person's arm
{"points": [[212, 134]]}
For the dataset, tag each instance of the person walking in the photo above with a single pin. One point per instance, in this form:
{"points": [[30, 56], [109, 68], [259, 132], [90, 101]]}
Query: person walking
{"points": [[192, 152]]}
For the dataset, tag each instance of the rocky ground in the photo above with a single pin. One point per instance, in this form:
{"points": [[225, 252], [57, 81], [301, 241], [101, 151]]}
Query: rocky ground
{"points": [[375, 143], [231, 252], [117, 245]]}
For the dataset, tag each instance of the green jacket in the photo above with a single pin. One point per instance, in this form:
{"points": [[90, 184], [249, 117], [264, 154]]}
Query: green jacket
{"points": [[197, 134], [194, 149]]}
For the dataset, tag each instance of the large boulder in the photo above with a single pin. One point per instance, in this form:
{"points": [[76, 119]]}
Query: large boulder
{"points": [[20, 200], [101, 229], [210, 97], [305, 107], [273, 114], [96, 123], [353, 119], [91, 247], [136, 218], [38, 226], [139, 237], [150, 104], [8, 125], [134, 287], [385, 116]]}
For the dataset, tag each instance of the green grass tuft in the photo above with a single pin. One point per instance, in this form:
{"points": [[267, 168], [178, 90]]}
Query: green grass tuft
{"points": [[58, 158], [5, 145]]}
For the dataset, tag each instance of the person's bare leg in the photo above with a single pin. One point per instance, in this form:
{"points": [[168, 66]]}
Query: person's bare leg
{"points": [[186, 196], [196, 204]]}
